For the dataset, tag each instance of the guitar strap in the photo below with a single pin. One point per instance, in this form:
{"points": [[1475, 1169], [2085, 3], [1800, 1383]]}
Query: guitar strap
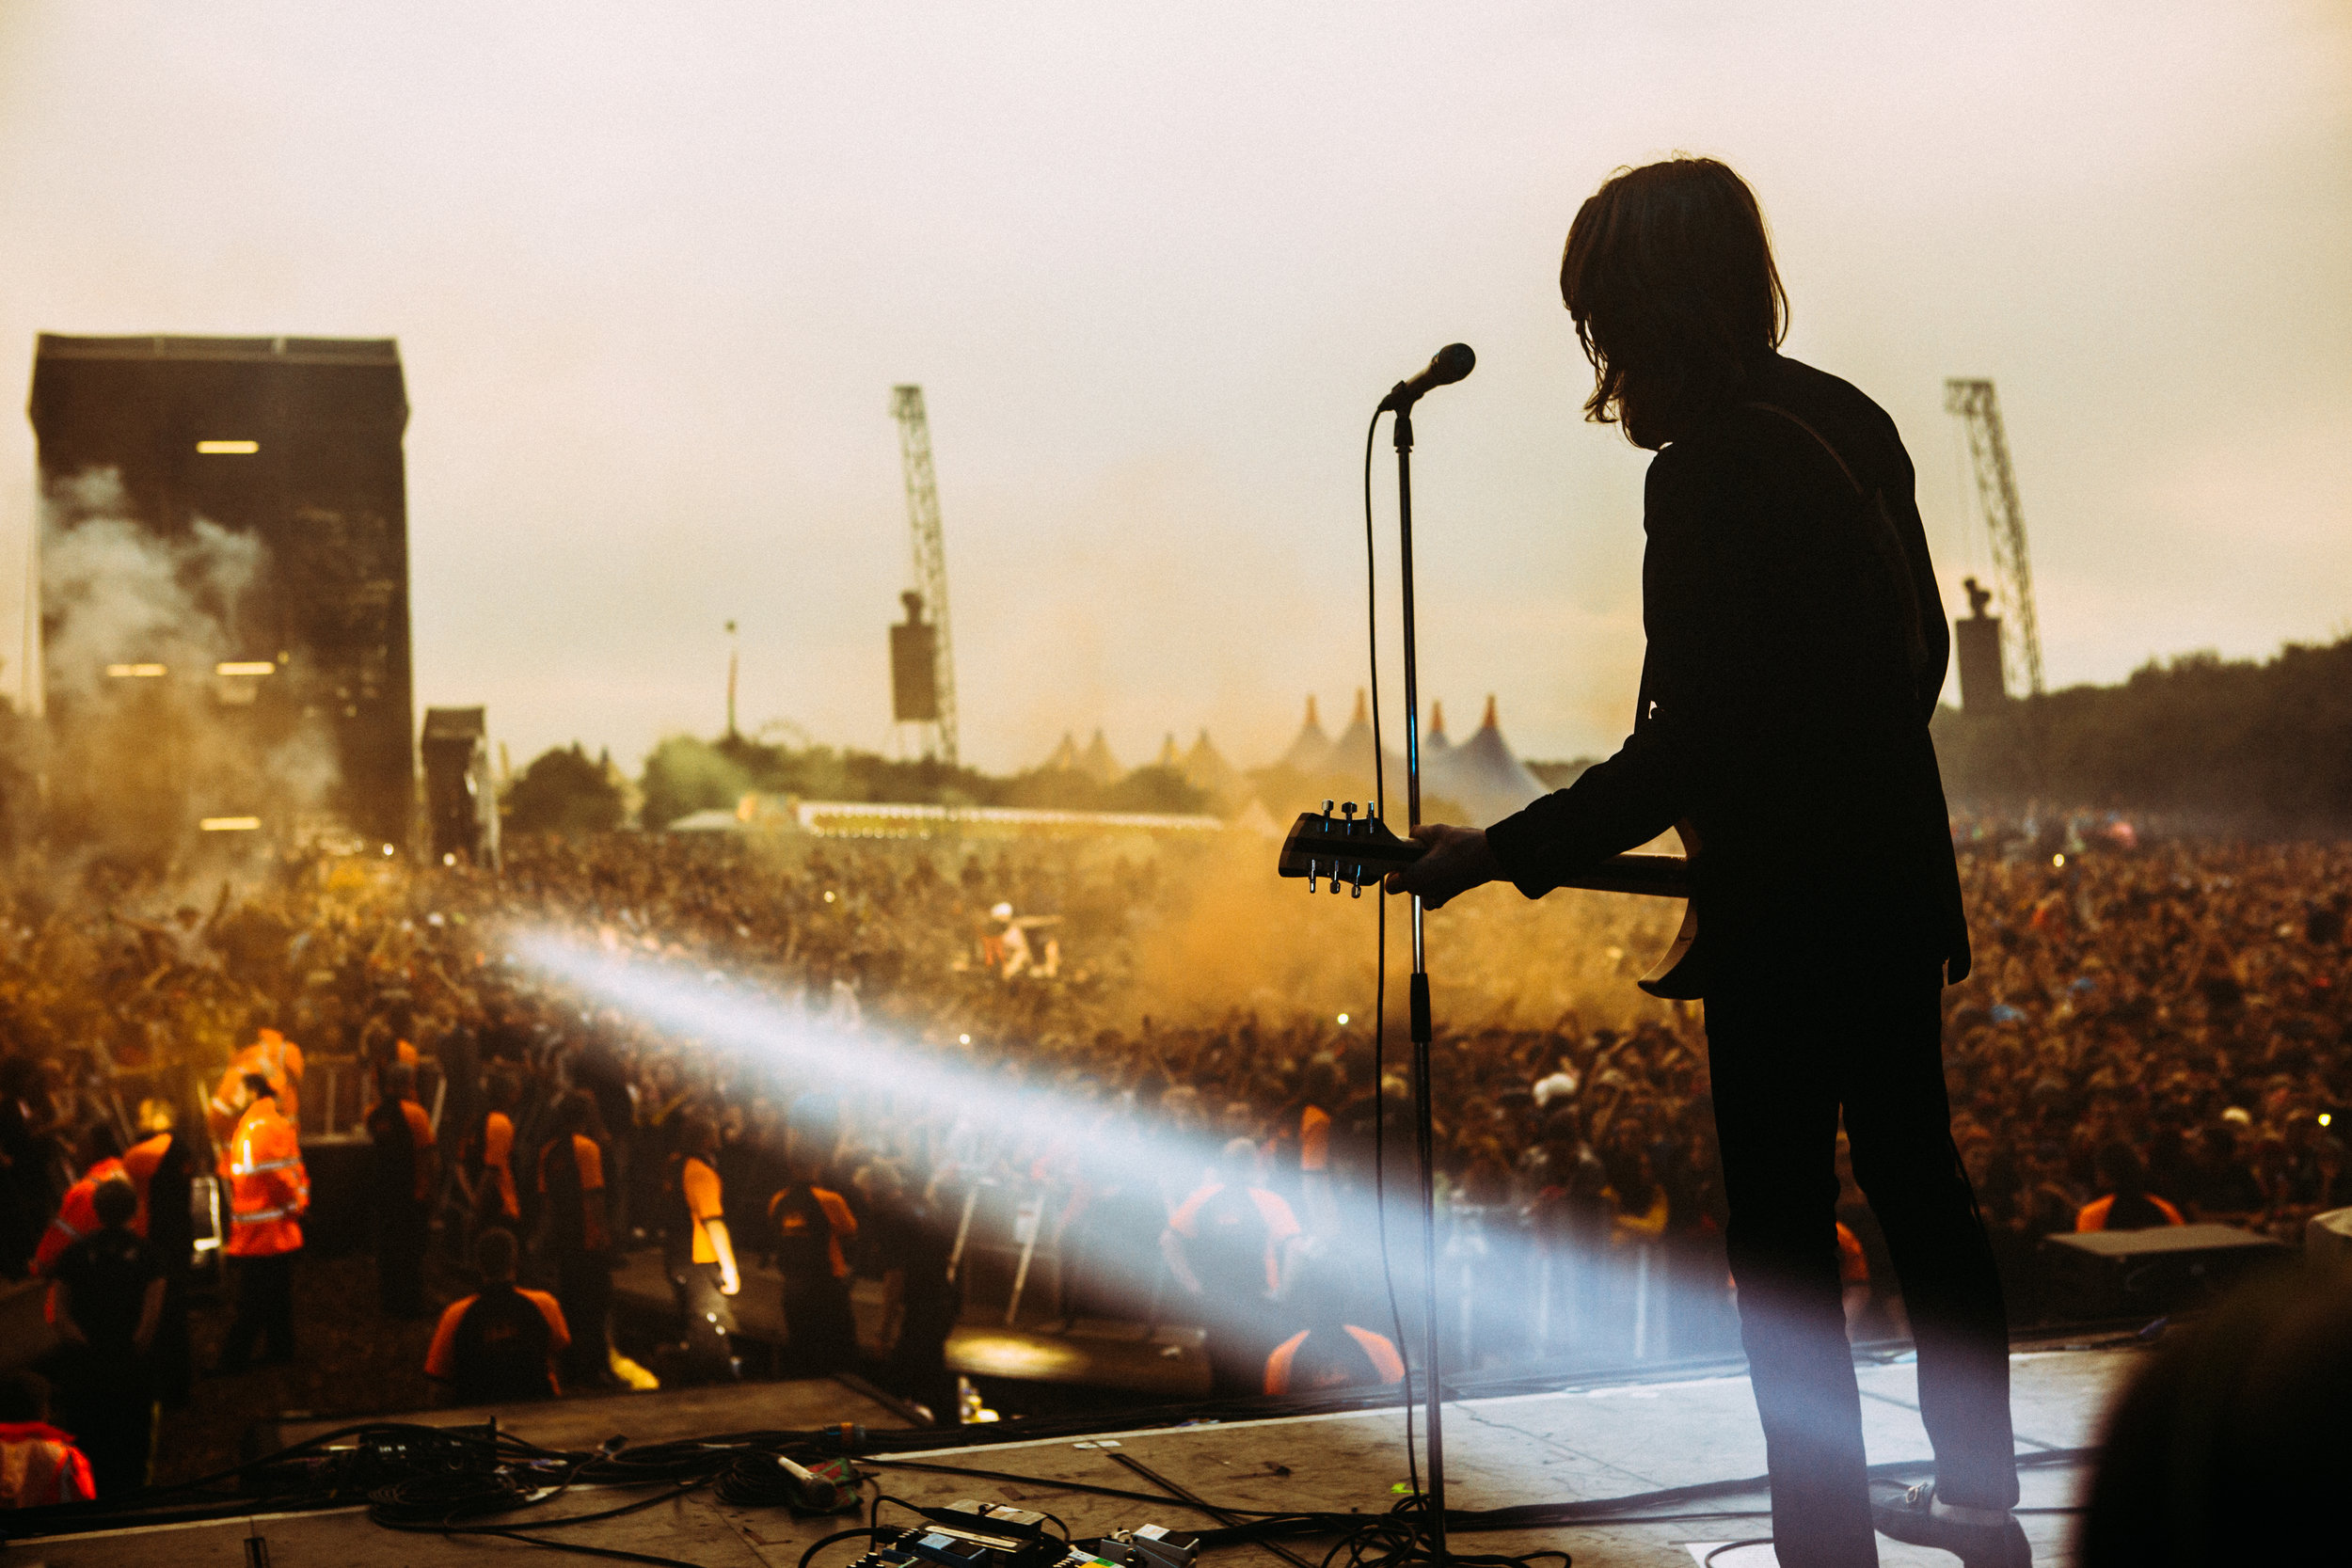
{"points": [[1886, 544]]}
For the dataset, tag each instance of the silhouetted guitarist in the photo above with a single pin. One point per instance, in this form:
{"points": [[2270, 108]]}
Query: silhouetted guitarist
{"points": [[1796, 650]]}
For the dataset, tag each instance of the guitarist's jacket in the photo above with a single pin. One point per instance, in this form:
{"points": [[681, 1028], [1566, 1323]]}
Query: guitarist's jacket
{"points": [[1796, 651]]}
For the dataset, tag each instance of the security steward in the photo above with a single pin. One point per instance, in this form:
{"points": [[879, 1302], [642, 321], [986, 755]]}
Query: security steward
{"points": [[499, 1345], [813, 1228], [1327, 1352], [571, 1189], [490, 1158], [100, 1154], [163, 1170], [911, 1246], [699, 1253], [408, 1173], [106, 1298], [268, 1191], [275, 1059]]}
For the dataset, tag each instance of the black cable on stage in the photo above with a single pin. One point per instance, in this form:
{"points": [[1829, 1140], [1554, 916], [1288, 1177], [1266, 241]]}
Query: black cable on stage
{"points": [[1085, 1486], [867, 1532]]}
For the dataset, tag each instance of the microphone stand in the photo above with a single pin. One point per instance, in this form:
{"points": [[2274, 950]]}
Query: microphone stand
{"points": [[1425, 1139]]}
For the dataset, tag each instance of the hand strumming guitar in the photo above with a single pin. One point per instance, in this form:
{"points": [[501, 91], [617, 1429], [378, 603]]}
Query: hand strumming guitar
{"points": [[1456, 861]]}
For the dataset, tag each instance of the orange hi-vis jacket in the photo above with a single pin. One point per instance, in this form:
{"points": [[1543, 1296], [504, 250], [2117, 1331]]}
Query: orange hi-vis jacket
{"points": [[275, 1059], [139, 1163], [77, 1216], [40, 1468], [268, 1187]]}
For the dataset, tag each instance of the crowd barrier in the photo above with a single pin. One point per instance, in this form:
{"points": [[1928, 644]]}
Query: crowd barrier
{"points": [[1509, 1294]]}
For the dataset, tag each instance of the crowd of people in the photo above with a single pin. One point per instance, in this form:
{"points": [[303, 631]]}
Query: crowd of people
{"points": [[2156, 1031]]}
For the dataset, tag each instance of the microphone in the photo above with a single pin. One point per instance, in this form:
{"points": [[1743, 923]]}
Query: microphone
{"points": [[816, 1492], [1450, 365]]}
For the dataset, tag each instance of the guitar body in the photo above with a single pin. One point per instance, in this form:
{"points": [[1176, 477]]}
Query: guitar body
{"points": [[1357, 851], [1677, 976]]}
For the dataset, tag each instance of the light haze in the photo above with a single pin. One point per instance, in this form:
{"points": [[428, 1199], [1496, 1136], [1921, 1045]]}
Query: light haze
{"points": [[655, 269]]}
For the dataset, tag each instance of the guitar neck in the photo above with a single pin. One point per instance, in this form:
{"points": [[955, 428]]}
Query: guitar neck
{"points": [[1361, 850], [1656, 876]]}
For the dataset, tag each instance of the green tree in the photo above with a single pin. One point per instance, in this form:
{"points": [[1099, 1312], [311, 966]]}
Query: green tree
{"points": [[2265, 746], [562, 791], [684, 774]]}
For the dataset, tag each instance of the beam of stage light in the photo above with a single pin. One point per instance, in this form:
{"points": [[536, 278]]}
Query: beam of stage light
{"points": [[1538, 1296], [736, 1016]]}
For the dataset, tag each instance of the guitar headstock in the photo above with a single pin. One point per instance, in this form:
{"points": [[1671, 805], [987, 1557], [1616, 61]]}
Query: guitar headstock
{"points": [[1350, 851]]}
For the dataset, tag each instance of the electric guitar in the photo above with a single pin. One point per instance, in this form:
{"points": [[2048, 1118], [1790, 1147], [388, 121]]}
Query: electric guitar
{"points": [[1356, 852]]}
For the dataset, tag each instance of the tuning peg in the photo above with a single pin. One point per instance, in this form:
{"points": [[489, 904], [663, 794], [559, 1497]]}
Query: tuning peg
{"points": [[1355, 889], [1311, 876], [1327, 813], [1348, 810], [1335, 881]]}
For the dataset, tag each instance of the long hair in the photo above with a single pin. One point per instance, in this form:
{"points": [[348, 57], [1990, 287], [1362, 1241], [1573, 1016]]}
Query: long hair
{"points": [[1669, 278]]}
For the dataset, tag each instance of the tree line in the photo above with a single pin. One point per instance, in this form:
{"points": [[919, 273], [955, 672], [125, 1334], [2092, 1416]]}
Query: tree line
{"points": [[564, 790], [2244, 745], [2258, 746]]}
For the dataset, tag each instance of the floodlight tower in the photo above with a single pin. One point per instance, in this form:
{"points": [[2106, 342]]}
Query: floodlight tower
{"points": [[2004, 519], [930, 579]]}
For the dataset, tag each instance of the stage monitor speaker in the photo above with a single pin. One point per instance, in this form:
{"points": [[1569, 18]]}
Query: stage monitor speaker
{"points": [[2327, 1237], [1977, 642], [2123, 1273], [915, 672]]}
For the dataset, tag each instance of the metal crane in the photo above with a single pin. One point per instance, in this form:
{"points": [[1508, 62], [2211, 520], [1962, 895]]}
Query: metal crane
{"points": [[2004, 519], [930, 578]]}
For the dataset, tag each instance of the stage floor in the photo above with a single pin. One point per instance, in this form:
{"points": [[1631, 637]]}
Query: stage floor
{"points": [[666, 1416], [1592, 1442]]}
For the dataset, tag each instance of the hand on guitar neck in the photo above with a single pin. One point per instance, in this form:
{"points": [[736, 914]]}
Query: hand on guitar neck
{"points": [[1439, 864], [1453, 861]]}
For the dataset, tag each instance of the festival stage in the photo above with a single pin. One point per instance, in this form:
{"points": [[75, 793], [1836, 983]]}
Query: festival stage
{"points": [[665, 1416], [1594, 1441]]}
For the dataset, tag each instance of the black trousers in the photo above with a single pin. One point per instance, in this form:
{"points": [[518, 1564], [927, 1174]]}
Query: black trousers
{"points": [[264, 1310], [820, 1330], [174, 1357], [400, 1257], [707, 1318], [1788, 1050], [918, 1365], [584, 1288], [106, 1398]]}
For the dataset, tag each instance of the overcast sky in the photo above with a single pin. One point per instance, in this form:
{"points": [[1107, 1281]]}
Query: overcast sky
{"points": [[654, 270]]}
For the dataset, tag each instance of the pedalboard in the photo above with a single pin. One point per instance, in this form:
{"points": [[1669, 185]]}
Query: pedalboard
{"points": [[970, 1534]]}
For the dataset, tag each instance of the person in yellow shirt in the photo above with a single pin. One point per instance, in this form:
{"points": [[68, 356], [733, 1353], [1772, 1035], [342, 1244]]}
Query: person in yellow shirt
{"points": [[812, 1228], [572, 1203], [699, 1253], [490, 1158]]}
